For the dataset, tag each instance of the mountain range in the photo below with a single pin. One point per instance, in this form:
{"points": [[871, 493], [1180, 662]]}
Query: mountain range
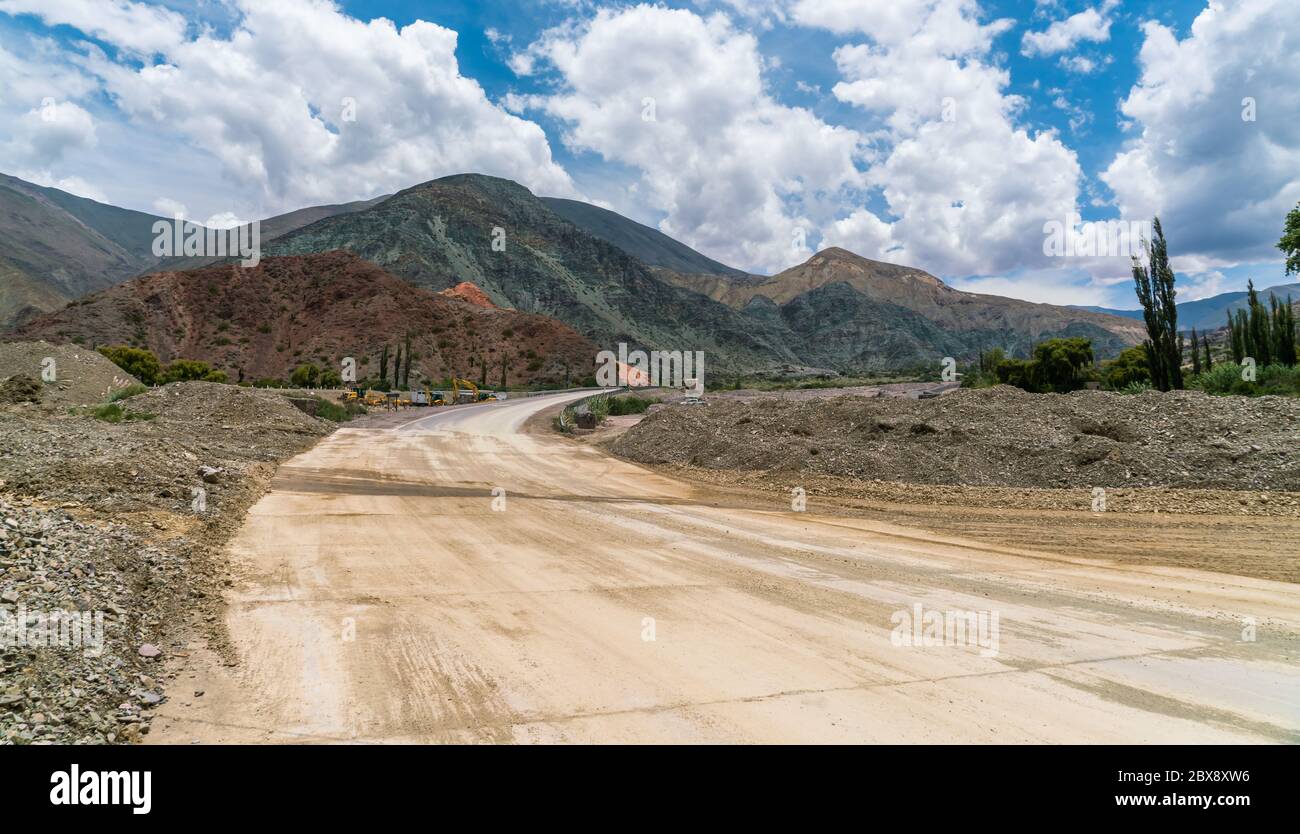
{"points": [[1211, 313], [55, 247], [602, 275]]}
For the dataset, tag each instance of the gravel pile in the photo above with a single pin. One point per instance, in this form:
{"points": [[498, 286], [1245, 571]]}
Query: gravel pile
{"points": [[152, 459], [89, 684], [999, 436], [80, 376], [124, 519]]}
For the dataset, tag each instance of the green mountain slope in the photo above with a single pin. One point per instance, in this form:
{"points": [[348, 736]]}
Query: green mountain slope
{"points": [[650, 246], [847, 311], [440, 233], [57, 246]]}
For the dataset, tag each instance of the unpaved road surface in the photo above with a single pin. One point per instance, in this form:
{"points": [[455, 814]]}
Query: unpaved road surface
{"points": [[383, 598]]}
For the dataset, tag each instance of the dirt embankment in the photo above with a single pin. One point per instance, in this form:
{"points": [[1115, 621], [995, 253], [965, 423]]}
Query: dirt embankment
{"points": [[67, 374], [996, 444], [122, 520]]}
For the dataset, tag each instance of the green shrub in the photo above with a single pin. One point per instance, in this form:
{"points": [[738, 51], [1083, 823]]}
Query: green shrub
{"points": [[1017, 372], [336, 412], [599, 407], [1283, 380], [1221, 379], [137, 362], [1062, 364], [629, 405], [128, 391], [1126, 369], [1225, 379], [191, 370], [305, 376]]}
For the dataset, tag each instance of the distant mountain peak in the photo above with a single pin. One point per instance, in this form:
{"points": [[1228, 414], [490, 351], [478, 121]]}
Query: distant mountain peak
{"points": [[484, 184], [836, 253], [842, 260]]}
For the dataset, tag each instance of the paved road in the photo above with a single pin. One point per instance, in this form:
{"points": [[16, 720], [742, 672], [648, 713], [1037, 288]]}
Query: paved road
{"points": [[385, 599]]}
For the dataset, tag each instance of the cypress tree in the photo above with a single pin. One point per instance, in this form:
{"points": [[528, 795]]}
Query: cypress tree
{"points": [[1284, 332], [406, 374], [383, 367], [1241, 336], [1154, 283], [1196, 354], [1258, 341], [1205, 343]]}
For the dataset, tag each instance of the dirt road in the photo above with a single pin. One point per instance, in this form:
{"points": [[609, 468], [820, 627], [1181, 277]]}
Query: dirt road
{"points": [[386, 598]]}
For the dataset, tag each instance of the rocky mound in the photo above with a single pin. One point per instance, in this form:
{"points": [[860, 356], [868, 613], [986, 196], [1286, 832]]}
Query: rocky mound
{"points": [[152, 457], [81, 376], [124, 519], [993, 437], [19, 388], [263, 322]]}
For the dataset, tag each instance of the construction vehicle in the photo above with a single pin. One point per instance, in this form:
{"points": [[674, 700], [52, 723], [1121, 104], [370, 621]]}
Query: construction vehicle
{"points": [[374, 398], [350, 396], [458, 396], [429, 397]]}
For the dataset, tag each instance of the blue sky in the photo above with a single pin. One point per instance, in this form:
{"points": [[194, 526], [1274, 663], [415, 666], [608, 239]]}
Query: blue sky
{"points": [[939, 133]]}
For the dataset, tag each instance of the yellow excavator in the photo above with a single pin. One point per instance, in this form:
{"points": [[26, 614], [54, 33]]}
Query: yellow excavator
{"points": [[457, 384]]}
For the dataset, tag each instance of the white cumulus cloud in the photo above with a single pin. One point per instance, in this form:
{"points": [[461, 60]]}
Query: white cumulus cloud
{"points": [[1091, 24], [1216, 145], [302, 104], [138, 27], [970, 187], [681, 99]]}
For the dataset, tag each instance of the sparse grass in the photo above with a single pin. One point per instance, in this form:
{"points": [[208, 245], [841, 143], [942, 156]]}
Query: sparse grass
{"points": [[114, 413], [128, 391]]}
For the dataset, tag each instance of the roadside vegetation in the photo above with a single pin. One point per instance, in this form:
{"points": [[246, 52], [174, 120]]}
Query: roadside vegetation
{"points": [[593, 411], [1258, 356], [144, 366], [337, 412]]}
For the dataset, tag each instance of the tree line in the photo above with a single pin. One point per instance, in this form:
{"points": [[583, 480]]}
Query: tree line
{"points": [[1265, 334]]}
